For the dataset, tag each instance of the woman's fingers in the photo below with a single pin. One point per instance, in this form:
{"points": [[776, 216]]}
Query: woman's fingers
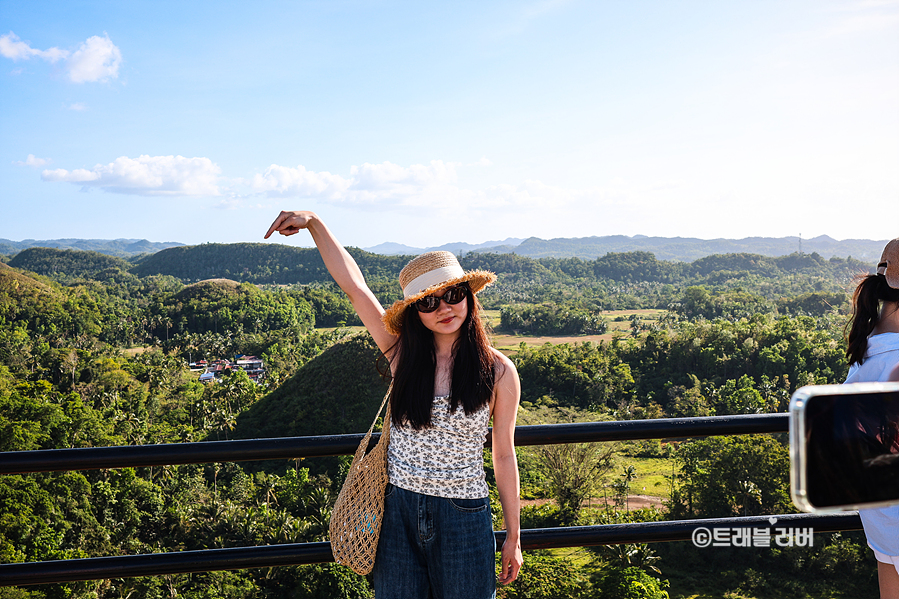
{"points": [[287, 223], [510, 564], [277, 224]]}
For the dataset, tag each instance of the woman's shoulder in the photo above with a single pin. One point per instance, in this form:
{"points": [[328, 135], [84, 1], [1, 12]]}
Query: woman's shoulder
{"points": [[501, 360], [503, 366], [883, 342], [881, 358]]}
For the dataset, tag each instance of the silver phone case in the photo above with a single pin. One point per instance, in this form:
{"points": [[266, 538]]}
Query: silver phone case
{"points": [[798, 403]]}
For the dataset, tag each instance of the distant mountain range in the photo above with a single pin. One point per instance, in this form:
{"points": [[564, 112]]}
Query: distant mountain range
{"points": [[123, 248], [398, 249], [684, 249]]}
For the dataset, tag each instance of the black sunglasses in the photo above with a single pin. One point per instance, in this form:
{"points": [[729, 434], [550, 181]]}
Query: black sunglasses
{"points": [[429, 303]]}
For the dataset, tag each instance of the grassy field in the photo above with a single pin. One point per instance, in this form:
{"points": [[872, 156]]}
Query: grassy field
{"points": [[619, 325], [651, 473]]}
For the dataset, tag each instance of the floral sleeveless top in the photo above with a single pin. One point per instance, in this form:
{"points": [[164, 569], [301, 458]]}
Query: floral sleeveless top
{"points": [[445, 460]]}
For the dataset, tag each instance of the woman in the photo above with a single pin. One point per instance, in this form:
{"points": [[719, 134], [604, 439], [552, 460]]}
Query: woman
{"points": [[873, 352], [437, 534]]}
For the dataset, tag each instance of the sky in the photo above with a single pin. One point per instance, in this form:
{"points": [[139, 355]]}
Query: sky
{"points": [[426, 123]]}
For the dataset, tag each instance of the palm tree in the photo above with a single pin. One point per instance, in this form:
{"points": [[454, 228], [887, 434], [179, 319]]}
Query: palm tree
{"points": [[750, 493], [620, 488], [629, 475], [628, 555]]}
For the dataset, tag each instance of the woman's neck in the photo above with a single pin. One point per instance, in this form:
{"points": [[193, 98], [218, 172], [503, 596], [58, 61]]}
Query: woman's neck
{"points": [[443, 374], [443, 344], [889, 319]]}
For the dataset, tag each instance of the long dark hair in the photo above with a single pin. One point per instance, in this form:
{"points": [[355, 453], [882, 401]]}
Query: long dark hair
{"points": [[872, 290], [416, 362]]}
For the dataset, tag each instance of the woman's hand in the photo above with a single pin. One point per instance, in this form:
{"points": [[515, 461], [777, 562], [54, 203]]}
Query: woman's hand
{"points": [[290, 222], [511, 561]]}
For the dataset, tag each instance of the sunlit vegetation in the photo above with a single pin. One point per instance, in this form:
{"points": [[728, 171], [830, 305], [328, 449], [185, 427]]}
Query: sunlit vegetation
{"points": [[94, 352]]}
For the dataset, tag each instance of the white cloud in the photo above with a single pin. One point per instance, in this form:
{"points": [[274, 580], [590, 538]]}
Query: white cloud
{"points": [[79, 175], [388, 182], [368, 184], [97, 59], [32, 161], [283, 181], [14, 48], [147, 175], [77, 106], [433, 185]]}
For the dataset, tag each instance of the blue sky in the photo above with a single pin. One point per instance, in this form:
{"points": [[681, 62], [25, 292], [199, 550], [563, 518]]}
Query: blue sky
{"points": [[427, 123]]}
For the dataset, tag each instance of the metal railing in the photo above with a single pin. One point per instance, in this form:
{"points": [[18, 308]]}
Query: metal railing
{"points": [[330, 445], [136, 456]]}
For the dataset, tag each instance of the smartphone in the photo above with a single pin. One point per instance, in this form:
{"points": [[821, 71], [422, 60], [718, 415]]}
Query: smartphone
{"points": [[844, 446]]}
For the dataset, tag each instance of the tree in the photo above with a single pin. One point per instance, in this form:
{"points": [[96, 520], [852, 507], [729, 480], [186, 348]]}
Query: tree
{"points": [[69, 364], [572, 471], [740, 397], [732, 476], [629, 475]]}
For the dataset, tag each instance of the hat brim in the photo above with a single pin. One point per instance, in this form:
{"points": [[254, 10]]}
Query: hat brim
{"points": [[393, 317]]}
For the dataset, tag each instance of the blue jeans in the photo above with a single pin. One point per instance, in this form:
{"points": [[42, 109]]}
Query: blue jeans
{"points": [[434, 547]]}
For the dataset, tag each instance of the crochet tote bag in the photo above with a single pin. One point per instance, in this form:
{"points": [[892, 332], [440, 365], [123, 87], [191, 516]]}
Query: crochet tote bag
{"points": [[357, 514]]}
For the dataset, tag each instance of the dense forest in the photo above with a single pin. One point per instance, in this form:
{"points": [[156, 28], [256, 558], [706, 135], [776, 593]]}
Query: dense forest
{"points": [[94, 351]]}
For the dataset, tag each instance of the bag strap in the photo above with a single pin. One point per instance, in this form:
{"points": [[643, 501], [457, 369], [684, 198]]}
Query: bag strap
{"points": [[385, 428]]}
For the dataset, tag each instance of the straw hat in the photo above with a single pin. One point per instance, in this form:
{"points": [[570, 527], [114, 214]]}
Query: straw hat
{"points": [[889, 264], [426, 274]]}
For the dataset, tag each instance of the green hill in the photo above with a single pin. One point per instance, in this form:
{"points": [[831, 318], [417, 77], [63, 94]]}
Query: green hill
{"points": [[23, 291], [262, 263], [336, 392], [209, 290], [36, 306], [218, 305], [65, 265]]}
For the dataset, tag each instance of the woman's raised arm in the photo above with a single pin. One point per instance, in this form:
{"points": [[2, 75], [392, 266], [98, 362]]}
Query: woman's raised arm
{"points": [[342, 267]]}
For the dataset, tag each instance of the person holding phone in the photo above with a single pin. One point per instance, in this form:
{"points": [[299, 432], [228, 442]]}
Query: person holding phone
{"points": [[437, 531], [873, 352]]}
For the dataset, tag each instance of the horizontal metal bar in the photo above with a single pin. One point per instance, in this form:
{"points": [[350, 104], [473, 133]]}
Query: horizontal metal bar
{"points": [[157, 564], [240, 558], [134, 456], [659, 428]]}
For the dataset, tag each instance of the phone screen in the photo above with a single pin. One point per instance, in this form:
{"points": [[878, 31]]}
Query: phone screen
{"points": [[851, 448]]}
